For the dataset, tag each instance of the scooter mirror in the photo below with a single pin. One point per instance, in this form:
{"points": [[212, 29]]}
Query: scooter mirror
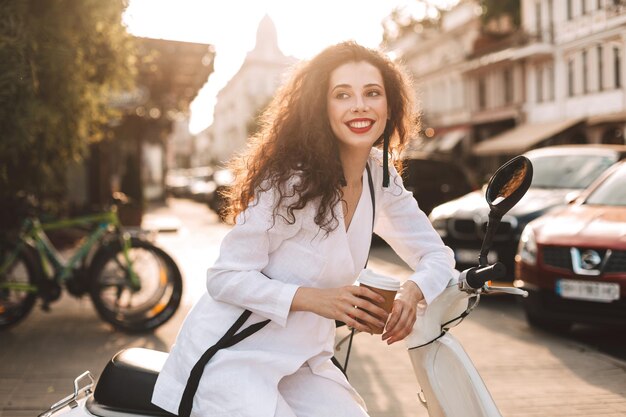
{"points": [[508, 185]]}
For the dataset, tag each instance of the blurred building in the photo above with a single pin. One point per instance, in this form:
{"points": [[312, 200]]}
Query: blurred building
{"points": [[468, 79], [574, 76], [586, 42], [247, 93], [559, 78], [153, 131], [181, 146], [203, 153], [437, 57]]}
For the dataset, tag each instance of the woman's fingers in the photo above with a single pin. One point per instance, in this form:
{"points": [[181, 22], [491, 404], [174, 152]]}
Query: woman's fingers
{"points": [[400, 322], [367, 318], [394, 318], [358, 307], [366, 293], [371, 308], [404, 313], [361, 306], [351, 321]]}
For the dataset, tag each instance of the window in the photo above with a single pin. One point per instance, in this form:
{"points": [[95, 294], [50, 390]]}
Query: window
{"points": [[507, 78], [551, 20], [568, 171], [600, 69], [539, 75], [482, 93], [569, 9], [570, 78], [538, 20], [617, 65], [550, 73], [585, 73], [611, 191]]}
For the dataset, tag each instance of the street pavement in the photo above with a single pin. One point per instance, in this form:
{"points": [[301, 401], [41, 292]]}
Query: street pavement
{"points": [[530, 373]]}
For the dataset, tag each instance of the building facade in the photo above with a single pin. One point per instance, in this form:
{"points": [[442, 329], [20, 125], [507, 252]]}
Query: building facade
{"points": [[559, 78], [437, 57], [149, 136], [247, 93], [578, 72], [469, 81]]}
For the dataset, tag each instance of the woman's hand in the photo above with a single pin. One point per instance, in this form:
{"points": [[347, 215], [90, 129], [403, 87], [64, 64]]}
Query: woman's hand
{"points": [[341, 304], [403, 313]]}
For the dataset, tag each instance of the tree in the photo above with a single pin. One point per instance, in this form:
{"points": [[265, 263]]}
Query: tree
{"points": [[413, 16], [419, 15], [60, 63]]}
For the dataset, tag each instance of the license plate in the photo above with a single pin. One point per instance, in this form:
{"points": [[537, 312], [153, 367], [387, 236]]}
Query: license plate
{"points": [[470, 256], [603, 292]]}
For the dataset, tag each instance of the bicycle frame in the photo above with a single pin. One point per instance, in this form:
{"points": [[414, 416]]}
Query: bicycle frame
{"points": [[33, 232]]}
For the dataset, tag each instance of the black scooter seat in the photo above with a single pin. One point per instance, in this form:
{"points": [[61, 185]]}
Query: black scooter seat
{"points": [[127, 382]]}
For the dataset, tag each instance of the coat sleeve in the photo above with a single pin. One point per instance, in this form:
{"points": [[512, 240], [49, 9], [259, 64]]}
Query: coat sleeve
{"points": [[408, 231], [236, 276]]}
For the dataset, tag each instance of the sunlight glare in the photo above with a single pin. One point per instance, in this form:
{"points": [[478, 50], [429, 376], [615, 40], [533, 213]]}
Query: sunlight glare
{"points": [[303, 27]]}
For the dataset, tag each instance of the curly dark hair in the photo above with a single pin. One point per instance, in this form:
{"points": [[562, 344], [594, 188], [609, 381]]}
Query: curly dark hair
{"points": [[296, 136]]}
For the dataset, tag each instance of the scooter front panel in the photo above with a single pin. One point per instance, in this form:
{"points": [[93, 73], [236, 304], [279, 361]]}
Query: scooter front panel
{"points": [[450, 381]]}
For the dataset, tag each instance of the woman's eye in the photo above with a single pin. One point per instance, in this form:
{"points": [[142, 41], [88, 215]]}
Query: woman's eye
{"points": [[341, 95], [373, 93]]}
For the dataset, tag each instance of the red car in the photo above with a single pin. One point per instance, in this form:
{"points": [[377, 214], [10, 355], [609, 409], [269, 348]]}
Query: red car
{"points": [[572, 260]]}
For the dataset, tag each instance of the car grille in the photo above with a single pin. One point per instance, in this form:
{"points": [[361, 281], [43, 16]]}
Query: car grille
{"points": [[617, 262], [469, 229], [560, 257], [464, 227], [557, 257]]}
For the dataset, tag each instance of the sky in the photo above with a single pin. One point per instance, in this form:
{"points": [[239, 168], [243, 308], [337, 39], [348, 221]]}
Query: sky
{"points": [[304, 27]]}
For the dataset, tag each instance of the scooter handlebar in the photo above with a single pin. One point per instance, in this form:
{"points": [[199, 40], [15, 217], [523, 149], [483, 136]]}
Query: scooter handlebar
{"points": [[477, 276]]}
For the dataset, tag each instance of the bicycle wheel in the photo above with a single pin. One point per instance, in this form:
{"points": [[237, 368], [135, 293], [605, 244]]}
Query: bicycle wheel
{"points": [[135, 309], [17, 285]]}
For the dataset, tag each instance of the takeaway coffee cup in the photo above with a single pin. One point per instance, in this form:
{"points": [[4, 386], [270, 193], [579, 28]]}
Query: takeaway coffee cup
{"points": [[383, 285]]}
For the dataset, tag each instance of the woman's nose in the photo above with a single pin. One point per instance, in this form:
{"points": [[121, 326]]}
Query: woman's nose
{"points": [[359, 106]]}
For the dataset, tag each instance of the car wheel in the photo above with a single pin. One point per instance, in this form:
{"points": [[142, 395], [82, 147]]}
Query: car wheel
{"points": [[536, 318], [551, 325]]}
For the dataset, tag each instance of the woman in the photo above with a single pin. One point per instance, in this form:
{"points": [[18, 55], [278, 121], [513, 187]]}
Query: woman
{"points": [[302, 235]]}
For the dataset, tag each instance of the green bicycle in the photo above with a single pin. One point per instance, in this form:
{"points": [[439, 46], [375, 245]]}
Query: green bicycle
{"points": [[134, 285]]}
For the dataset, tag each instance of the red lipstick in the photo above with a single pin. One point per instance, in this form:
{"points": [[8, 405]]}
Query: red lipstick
{"points": [[361, 125]]}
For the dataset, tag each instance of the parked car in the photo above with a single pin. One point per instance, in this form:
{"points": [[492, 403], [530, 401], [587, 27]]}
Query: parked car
{"points": [[434, 181], [572, 261], [201, 184], [177, 182], [223, 178], [561, 173]]}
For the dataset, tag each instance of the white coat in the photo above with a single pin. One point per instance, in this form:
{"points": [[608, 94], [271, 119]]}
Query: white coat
{"points": [[242, 380]]}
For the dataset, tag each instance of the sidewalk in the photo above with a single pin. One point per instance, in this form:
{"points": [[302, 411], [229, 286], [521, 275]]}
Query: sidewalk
{"points": [[529, 373]]}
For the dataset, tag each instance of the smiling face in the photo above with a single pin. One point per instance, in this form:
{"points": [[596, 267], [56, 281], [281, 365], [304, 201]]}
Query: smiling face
{"points": [[357, 104]]}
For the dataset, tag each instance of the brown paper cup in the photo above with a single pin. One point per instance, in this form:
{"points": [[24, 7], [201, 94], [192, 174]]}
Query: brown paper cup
{"points": [[383, 285]]}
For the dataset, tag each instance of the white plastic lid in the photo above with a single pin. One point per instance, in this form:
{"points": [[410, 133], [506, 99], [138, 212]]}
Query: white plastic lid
{"points": [[376, 280]]}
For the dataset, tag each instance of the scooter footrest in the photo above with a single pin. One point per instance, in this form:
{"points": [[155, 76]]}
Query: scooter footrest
{"points": [[127, 382]]}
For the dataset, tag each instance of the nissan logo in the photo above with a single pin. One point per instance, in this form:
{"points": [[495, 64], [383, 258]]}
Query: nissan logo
{"points": [[590, 259]]}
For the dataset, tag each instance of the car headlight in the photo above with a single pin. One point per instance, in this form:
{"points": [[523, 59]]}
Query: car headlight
{"points": [[527, 250]]}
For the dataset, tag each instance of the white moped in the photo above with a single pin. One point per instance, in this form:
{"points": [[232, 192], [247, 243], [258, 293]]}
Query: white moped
{"points": [[450, 384]]}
